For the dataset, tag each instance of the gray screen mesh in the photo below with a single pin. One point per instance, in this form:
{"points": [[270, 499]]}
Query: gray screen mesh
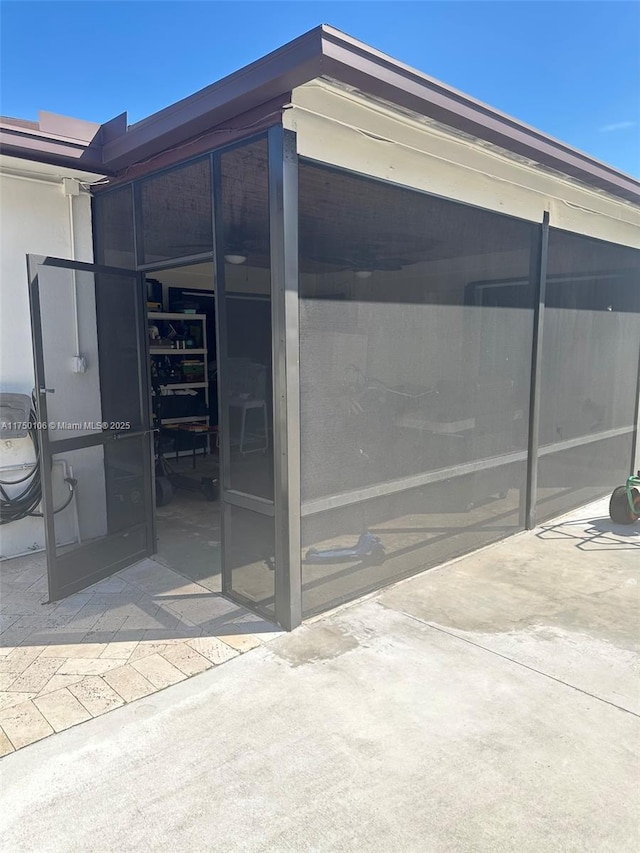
{"points": [[114, 229], [415, 358], [245, 370], [591, 337], [176, 213]]}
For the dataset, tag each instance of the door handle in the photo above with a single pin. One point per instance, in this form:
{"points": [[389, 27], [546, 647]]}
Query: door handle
{"points": [[118, 436], [47, 390]]}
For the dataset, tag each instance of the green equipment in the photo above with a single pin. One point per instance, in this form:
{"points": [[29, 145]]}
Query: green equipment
{"points": [[624, 506]]}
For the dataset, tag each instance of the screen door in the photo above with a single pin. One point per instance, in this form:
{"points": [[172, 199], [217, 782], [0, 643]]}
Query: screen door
{"points": [[93, 409]]}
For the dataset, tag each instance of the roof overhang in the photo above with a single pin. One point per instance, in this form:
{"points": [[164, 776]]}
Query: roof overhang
{"points": [[374, 73], [18, 167], [322, 52], [60, 141], [267, 79]]}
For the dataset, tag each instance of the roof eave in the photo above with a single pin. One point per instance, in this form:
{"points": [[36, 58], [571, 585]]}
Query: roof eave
{"points": [[369, 71], [265, 80], [54, 151], [322, 52], [325, 51]]}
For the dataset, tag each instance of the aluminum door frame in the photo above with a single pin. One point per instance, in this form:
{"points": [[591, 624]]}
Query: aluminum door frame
{"points": [[49, 449]]}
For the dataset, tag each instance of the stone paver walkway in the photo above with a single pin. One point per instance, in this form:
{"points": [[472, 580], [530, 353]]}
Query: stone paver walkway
{"points": [[126, 637]]}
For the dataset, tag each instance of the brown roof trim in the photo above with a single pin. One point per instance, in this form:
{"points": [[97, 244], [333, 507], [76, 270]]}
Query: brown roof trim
{"points": [[55, 152], [265, 80], [322, 52], [325, 51], [20, 122], [377, 74], [248, 124], [56, 140]]}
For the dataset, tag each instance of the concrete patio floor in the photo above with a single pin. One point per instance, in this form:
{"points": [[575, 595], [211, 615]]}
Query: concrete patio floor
{"points": [[485, 706]]}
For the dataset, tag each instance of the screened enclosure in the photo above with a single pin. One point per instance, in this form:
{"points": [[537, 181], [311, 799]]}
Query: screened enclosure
{"points": [[427, 376], [419, 321]]}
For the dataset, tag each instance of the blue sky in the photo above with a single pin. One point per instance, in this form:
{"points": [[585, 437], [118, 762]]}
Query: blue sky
{"points": [[571, 69]]}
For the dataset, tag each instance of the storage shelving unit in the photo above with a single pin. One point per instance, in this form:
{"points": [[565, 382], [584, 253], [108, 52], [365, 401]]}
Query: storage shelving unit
{"points": [[164, 320]]}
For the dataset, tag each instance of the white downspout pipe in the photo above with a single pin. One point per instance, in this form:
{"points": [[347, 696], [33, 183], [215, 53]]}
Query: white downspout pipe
{"points": [[71, 189]]}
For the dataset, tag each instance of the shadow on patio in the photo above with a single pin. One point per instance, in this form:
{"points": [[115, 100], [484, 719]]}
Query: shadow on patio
{"points": [[125, 637], [593, 534]]}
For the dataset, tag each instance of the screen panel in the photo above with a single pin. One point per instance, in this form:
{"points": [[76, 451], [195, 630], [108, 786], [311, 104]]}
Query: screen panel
{"points": [[93, 316], [249, 548], [416, 318], [405, 533], [591, 338], [108, 514], [114, 228], [245, 372], [176, 213]]}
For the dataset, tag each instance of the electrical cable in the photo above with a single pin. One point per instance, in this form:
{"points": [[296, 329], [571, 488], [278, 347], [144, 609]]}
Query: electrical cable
{"points": [[23, 505]]}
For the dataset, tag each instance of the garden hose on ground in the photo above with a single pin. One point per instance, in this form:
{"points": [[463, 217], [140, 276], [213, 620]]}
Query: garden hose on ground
{"points": [[24, 505]]}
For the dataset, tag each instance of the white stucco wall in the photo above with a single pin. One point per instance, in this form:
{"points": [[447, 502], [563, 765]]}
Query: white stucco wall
{"points": [[35, 218]]}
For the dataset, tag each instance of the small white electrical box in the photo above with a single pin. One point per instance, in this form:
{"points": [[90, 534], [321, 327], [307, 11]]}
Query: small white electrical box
{"points": [[79, 364], [70, 186]]}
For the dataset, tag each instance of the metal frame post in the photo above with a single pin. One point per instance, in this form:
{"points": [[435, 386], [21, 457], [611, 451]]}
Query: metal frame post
{"points": [[536, 365], [283, 224], [221, 355], [40, 397], [635, 441]]}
